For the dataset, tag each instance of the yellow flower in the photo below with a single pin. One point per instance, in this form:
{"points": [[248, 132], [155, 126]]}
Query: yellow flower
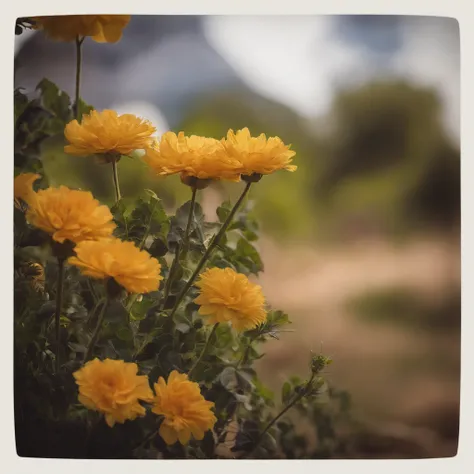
{"points": [[226, 295], [113, 388], [68, 214], [132, 268], [107, 132], [258, 155], [186, 412], [102, 28], [195, 156], [23, 187]]}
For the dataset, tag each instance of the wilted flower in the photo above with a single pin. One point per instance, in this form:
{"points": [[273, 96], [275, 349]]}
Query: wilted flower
{"points": [[113, 388], [186, 412], [258, 155], [134, 269], [68, 214], [191, 156], [101, 28], [107, 133], [23, 187], [226, 295], [34, 272]]}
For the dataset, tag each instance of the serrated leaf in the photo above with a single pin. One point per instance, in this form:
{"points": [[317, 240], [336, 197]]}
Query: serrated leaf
{"points": [[223, 211], [55, 100]]}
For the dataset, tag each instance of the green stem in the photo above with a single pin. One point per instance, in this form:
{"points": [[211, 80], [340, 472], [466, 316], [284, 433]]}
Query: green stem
{"points": [[78, 76], [169, 280], [95, 334], [190, 219], [148, 226], [203, 352], [116, 180], [59, 302], [209, 249], [92, 291], [95, 308], [245, 355], [282, 412]]}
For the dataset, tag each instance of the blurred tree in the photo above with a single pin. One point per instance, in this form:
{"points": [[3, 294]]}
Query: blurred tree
{"points": [[389, 165]]}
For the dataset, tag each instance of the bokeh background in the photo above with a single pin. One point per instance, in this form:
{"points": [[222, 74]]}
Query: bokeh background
{"points": [[361, 245]]}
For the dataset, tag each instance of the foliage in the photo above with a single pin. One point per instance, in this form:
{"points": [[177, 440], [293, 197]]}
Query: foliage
{"points": [[161, 331]]}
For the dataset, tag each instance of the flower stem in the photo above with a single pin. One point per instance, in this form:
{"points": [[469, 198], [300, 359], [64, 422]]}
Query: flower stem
{"points": [[59, 302], [190, 219], [209, 249], [116, 180], [169, 280], [148, 227], [95, 334], [79, 42], [203, 352], [282, 412]]}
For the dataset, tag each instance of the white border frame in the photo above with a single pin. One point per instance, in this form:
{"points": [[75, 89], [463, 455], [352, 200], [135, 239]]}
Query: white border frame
{"points": [[458, 9]]}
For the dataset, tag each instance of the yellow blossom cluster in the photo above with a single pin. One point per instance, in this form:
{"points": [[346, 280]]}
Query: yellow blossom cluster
{"points": [[113, 388], [231, 158]]}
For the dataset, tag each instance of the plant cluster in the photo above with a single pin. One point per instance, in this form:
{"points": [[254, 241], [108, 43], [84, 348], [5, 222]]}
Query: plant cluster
{"points": [[137, 329]]}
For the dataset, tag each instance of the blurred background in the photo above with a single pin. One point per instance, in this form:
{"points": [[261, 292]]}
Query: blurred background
{"points": [[361, 245]]}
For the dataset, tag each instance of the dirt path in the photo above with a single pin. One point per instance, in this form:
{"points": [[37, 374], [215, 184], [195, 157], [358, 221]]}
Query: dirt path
{"points": [[390, 370]]}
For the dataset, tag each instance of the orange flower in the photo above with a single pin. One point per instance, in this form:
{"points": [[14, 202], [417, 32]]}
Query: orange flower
{"points": [[134, 269], [113, 388], [68, 214], [101, 28], [186, 412], [107, 132], [191, 156], [23, 187], [228, 296], [258, 155]]}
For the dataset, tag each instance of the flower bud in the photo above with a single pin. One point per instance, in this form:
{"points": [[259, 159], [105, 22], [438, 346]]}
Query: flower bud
{"points": [[319, 362]]}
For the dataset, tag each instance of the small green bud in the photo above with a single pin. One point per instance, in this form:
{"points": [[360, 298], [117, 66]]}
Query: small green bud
{"points": [[319, 362]]}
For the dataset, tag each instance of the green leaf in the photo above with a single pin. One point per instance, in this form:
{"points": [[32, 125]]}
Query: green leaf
{"points": [[182, 215], [84, 108], [116, 313], [223, 211], [125, 333], [54, 100], [228, 378], [148, 218], [247, 255], [21, 103]]}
